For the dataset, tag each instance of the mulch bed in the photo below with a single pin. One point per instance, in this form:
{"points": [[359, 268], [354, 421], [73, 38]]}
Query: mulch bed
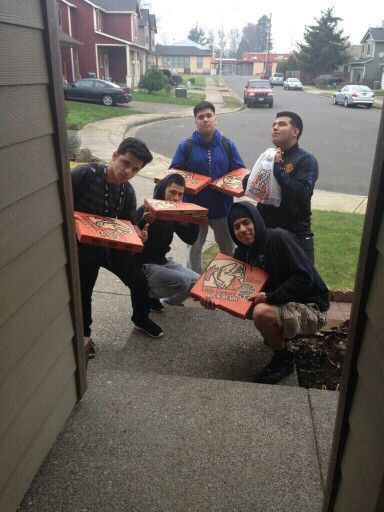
{"points": [[320, 358]]}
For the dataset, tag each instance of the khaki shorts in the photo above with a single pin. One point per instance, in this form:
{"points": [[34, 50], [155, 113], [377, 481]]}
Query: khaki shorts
{"points": [[295, 318]]}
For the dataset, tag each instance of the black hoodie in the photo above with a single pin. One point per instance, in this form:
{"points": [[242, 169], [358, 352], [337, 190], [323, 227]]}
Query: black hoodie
{"points": [[160, 232], [292, 276]]}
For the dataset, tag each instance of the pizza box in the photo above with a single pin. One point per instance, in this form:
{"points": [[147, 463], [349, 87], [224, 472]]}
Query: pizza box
{"points": [[177, 211], [107, 231], [194, 182], [231, 183], [229, 283]]}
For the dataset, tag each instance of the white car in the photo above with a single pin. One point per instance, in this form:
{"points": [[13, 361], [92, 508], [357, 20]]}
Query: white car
{"points": [[293, 84], [277, 79], [351, 95]]}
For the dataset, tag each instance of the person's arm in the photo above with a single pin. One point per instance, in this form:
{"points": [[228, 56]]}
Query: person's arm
{"points": [[130, 205], [178, 161], [303, 182], [187, 232], [80, 177], [301, 273]]}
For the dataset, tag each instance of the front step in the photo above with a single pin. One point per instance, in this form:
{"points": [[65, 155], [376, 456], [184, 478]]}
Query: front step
{"points": [[147, 442]]}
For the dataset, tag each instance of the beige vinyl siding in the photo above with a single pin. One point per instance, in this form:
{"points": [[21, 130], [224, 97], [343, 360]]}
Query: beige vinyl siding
{"points": [[362, 470], [37, 358]]}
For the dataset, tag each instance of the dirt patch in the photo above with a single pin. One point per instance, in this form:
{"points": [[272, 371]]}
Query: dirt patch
{"points": [[320, 358]]}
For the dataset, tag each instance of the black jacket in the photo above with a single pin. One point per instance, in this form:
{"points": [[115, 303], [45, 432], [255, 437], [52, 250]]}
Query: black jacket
{"points": [[297, 176], [292, 276], [160, 232]]}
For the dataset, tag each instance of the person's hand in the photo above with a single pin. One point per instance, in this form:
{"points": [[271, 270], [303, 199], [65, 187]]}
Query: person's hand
{"points": [[149, 216], [207, 303], [279, 155], [143, 234], [258, 298]]}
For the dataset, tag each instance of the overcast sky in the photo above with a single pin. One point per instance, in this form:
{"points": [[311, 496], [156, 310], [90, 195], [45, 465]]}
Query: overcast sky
{"points": [[176, 17]]}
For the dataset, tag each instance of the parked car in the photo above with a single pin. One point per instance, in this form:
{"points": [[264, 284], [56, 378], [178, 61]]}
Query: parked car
{"points": [[277, 79], [258, 91], [172, 76], [96, 90], [351, 95], [293, 84]]}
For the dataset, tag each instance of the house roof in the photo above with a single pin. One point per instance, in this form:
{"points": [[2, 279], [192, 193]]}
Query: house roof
{"points": [[67, 40], [117, 5], [377, 34], [189, 42], [359, 62], [181, 50]]}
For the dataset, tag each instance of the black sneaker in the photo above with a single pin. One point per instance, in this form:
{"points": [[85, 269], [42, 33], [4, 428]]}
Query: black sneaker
{"points": [[156, 305], [281, 365], [149, 328]]}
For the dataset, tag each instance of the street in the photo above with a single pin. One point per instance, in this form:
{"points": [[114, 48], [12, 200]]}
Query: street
{"points": [[342, 139]]}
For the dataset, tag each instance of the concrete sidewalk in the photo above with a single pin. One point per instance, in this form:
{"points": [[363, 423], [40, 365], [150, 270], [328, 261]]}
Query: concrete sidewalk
{"points": [[176, 424]]}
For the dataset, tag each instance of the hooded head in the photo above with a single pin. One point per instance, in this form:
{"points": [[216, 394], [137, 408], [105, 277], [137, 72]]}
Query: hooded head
{"points": [[245, 224], [175, 183]]}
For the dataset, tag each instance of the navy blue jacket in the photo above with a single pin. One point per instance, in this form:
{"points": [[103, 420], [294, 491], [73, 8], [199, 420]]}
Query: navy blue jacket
{"points": [[209, 159]]}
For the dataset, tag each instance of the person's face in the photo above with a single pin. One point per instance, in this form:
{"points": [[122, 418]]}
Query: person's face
{"points": [[174, 192], [244, 230], [123, 167], [205, 122], [283, 134]]}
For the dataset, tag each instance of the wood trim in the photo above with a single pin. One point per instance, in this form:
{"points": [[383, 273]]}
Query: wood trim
{"points": [[365, 271], [55, 88]]}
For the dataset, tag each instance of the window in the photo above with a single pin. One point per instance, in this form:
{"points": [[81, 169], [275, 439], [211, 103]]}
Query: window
{"points": [[176, 61], [199, 62], [368, 48], [98, 19]]}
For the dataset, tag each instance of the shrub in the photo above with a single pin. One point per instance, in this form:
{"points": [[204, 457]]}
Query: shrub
{"points": [[73, 143], [153, 80]]}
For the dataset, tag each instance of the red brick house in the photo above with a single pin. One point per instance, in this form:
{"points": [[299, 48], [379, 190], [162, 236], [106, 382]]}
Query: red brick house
{"points": [[103, 37]]}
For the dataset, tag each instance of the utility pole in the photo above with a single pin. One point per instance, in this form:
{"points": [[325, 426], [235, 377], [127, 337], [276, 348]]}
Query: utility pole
{"points": [[221, 48], [268, 40]]}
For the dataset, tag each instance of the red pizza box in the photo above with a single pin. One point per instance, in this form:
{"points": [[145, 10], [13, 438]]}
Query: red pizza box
{"points": [[229, 283], [231, 183], [177, 211], [107, 231], [194, 182]]}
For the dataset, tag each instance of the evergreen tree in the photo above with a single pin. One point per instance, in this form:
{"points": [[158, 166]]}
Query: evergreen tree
{"points": [[325, 45], [255, 37], [153, 80], [263, 36], [197, 34], [233, 42]]}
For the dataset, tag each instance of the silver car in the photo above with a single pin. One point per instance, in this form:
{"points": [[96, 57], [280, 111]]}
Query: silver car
{"points": [[293, 83], [351, 95]]}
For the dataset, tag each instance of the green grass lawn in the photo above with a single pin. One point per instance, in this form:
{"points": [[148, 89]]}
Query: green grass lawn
{"points": [[199, 80], [168, 97], [79, 114], [337, 246]]}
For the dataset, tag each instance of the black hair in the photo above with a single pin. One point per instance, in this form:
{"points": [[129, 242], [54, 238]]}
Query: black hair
{"points": [[137, 148], [202, 106], [296, 120], [162, 185], [175, 178]]}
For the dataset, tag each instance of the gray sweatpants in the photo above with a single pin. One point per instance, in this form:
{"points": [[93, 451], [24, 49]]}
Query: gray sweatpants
{"points": [[222, 238], [170, 281]]}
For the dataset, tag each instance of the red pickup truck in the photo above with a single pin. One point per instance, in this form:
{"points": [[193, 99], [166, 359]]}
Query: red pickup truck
{"points": [[258, 91]]}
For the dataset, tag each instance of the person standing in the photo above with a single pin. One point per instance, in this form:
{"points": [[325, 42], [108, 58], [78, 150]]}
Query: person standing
{"points": [[209, 153], [104, 189], [296, 171]]}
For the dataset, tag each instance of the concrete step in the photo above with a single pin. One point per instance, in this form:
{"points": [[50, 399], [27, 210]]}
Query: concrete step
{"points": [[147, 442]]}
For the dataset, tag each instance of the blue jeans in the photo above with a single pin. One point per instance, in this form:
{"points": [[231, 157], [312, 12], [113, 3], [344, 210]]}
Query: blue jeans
{"points": [[170, 281]]}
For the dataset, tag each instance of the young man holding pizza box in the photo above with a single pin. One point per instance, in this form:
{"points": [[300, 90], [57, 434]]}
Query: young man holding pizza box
{"points": [[294, 300], [167, 280], [209, 153], [104, 189]]}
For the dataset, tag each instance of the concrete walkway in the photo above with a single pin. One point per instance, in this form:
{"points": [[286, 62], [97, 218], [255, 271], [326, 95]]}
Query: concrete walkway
{"points": [[176, 424]]}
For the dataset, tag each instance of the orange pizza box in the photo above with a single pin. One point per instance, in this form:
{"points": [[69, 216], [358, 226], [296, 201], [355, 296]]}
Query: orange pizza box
{"points": [[229, 283], [194, 182], [231, 183], [107, 231], [177, 210]]}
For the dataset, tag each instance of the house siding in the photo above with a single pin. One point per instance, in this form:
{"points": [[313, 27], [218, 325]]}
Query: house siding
{"points": [[38, 359], [119, 25]]}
